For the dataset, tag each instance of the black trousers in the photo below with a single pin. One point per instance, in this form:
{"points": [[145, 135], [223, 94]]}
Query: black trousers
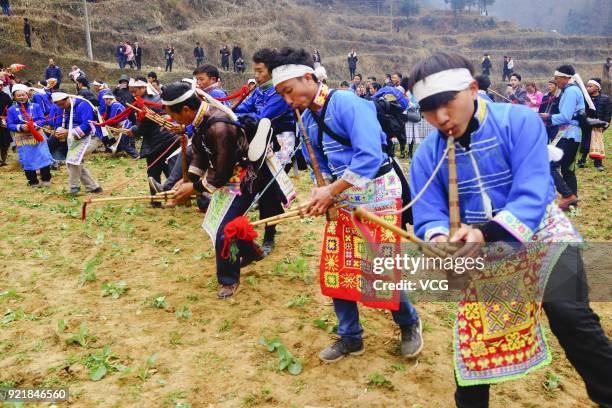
{"points": [[576, 327], [269, 203], [563, 171], [176, 171], [352, 72], [160, 166], [28, 40], [45, 175], [169, 63]]}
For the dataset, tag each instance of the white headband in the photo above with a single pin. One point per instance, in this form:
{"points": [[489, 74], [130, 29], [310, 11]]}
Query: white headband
{"points": [[456, 79], [108, 96], [19, 87], [562, 74], [180, 99], [594, 83], [136, 83], [285, 72], [96, 83], [58, 96]]}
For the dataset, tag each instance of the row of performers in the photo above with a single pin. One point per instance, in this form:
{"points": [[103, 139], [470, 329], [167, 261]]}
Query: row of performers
{"points": [[505, 193]]}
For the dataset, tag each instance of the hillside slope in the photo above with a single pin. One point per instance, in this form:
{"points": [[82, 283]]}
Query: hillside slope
{"points": [[58, 31]]}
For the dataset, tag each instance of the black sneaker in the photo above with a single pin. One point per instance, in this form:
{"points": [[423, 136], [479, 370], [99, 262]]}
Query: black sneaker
{"points": [[581, 164], [267, 247], [96, 190], [340, 349], [412, 339]]}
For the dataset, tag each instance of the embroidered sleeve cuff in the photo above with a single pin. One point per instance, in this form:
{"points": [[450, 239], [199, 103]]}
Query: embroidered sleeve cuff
{"points": [[208, 187], [514, 226], [355, 179], [431, 233], [196, 171]]}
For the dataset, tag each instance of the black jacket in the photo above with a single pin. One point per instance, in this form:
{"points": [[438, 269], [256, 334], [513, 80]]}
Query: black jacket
{"points": [[123, 95], [137, 53], [27, 29], [236, 53], [154, 138], [198, 52], [603, 108]]}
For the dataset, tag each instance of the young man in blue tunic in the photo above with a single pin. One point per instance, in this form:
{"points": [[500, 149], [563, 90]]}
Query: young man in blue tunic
{"points": [[112, 109], [506, 194], [359, 172], [25, 119], [571, 107], [265, 102], [207, 77]]}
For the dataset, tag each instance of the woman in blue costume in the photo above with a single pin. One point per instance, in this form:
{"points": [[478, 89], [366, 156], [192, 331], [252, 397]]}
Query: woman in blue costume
{"points": [[25, 118]]}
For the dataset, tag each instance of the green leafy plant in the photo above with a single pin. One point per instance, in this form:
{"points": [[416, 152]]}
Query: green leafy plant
{"points": [[286, 361], [183, 313], [326, 323], [115, 290], [144, 371], [82, 337], [16, 315], [160, 302], [298, 301], [552, 382], [379, 380], [103, 362], [88, 274], [61, 325]]}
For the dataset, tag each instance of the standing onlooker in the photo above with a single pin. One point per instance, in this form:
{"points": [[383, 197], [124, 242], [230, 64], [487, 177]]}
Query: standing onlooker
{"points": [[6, 7], [396, 79], [169, 55], [606, 68], [505, 71], [550, 106], [129, 55], [27, 32], [122, 92], [53, 71], [137, 55], [510, 65], [603, 112], [316, 57], [352, 63], [483, 87], [236, 53], [198, 53], [5, 135], [515, 91], [76, 73], [533, 97], [120, 54], [225, 53], [356, 82], [486, 65]]}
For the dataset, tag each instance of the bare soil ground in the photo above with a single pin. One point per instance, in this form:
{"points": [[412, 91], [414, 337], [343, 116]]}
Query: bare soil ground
{"points": [[207, 352]]}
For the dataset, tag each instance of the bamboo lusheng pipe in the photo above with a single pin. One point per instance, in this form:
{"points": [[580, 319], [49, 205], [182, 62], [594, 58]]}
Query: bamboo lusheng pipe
{"points": [[493, 91], [162, 196], [331, 214], [154, 117], [243, 98], [435, 249], [453, 189], [289, 215]]}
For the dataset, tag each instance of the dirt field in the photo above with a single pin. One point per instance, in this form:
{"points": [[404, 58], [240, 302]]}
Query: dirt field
{"points": [[202, 351]]}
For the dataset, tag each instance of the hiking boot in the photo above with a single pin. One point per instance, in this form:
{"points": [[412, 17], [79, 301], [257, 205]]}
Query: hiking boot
{"points": [[227, 291], [75, 190], [600, 168], [267, 247], [342, 348], [268, 240], [412, 339], [96, 190], [155, 185], [581, 164], [566, 202]]}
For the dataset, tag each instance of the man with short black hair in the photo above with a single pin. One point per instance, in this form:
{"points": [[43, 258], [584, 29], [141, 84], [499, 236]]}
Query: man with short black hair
{"points": [[207, 77], [265, 102], [198, 53], [236, 53], [352, 63], [137, 55]]}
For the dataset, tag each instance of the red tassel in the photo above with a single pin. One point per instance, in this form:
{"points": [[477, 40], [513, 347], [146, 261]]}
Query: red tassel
{"points": [[31, 126], [238, 228], [243, 91]]}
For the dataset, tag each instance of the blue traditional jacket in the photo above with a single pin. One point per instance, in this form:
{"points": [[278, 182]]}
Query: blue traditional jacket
{"points": [[570, 105], [353, 119], [115, 109], [264, 102], [83, 114], [44, 101], [101, 104], [33, 154], [504, 176], [217, 92], [395, 93]]}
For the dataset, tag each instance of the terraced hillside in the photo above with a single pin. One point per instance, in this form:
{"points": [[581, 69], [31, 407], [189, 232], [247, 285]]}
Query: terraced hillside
{"points": [[58, 31]]}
